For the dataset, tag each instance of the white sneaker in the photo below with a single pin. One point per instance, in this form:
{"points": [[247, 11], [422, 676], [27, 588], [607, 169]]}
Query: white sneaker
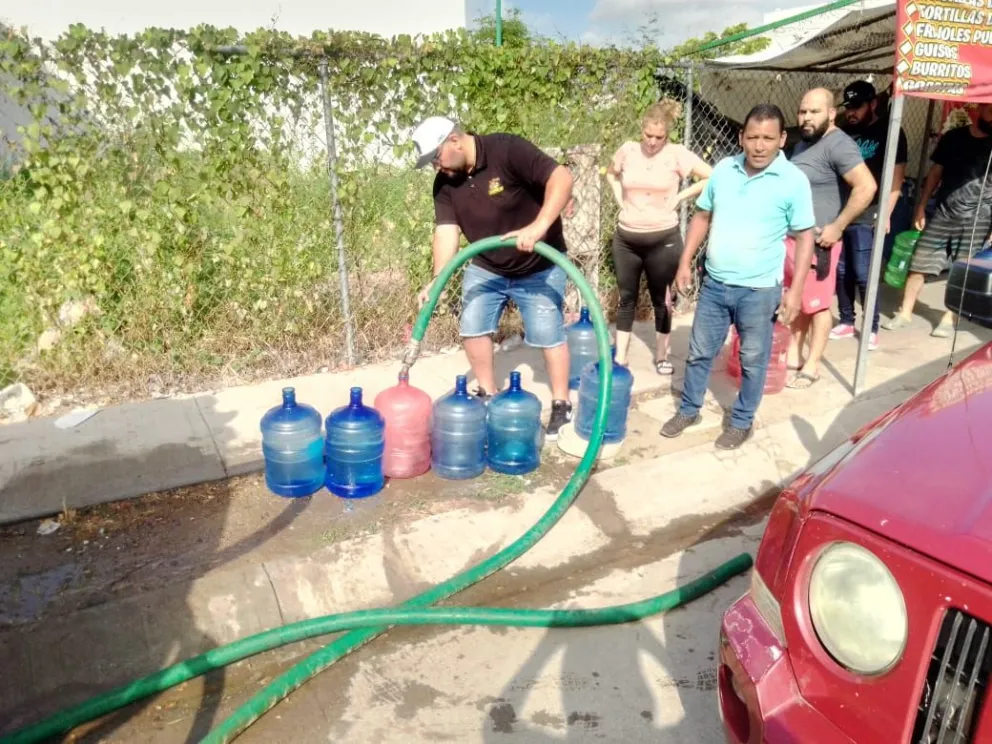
{"points": [[896, 322], [943, 330]]}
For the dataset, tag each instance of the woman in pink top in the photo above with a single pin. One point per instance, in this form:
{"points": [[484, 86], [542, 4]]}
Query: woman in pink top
{"points": [[645, 177]]}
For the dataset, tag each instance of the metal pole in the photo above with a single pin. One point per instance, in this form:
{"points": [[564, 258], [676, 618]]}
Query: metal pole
{"points": [[924, 151], [499, 23], [332, 157], [687, 141], [871, 293]]}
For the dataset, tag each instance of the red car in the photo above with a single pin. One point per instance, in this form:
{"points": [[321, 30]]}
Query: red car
{"points": [[869, 616]]}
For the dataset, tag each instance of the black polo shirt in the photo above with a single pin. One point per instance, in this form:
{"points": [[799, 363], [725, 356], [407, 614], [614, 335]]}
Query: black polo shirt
{"points": [[503, 193]]}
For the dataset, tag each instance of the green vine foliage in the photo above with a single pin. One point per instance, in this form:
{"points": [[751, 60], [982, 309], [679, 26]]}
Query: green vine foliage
{"points": [[177, 182]]}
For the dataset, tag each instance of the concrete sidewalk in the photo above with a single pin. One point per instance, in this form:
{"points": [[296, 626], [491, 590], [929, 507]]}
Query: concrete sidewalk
{"points": [[138, 448]]}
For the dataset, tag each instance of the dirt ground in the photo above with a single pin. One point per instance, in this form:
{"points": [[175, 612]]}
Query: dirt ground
{"points": [[172, 537]]}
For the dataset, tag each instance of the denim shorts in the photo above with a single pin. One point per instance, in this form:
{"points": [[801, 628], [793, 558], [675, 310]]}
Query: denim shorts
{"points": [[540, 298]]}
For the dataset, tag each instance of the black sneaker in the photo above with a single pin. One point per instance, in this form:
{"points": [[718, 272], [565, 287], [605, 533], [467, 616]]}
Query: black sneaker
{"points": [[561, 414], [678, 424], [732, 438], [482, 395]]}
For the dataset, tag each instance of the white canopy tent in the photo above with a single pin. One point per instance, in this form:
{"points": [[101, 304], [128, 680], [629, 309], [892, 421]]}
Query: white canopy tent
{"points": [[857, 33]]}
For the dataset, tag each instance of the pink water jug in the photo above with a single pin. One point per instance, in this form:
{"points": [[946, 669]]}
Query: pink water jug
{"points": [[778, 370], [407, 411]]}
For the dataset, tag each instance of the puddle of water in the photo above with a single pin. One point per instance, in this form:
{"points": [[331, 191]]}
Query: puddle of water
{"points": [[25, 600]]}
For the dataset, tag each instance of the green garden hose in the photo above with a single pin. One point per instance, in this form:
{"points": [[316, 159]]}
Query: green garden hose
{"points": [[222, 656], [366, 625]]}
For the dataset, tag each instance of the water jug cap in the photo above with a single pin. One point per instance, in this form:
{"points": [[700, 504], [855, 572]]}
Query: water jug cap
{"points": [[514, 380], [461, 384], [584, 313], [356, 396], [403, 378], [288, 397]]}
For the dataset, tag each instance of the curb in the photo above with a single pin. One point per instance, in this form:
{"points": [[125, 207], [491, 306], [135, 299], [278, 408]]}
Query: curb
{"points": [[126, 451]]}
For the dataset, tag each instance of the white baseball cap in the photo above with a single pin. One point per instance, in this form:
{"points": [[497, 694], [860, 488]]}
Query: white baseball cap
{"points": [[429, 136]]}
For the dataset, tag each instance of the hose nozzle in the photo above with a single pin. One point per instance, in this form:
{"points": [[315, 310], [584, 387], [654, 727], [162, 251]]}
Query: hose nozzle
{"points": [[410, 356]]}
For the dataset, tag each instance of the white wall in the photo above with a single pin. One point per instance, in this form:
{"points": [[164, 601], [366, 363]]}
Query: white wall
{"points": [[49, 18]]}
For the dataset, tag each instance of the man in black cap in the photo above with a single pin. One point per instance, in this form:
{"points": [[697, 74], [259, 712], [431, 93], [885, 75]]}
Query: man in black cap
{"points": [[501, 185], [864, 125]]}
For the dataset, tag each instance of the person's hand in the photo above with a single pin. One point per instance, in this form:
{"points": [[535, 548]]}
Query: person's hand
{"points": [[829, 235], [569, 209], [424, 296], [920, 219], [527, 237], [789, 308], [683, 279], [888, 224]]}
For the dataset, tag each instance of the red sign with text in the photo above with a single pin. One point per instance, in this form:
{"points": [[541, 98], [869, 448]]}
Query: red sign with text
{"points": [[944, 49]]}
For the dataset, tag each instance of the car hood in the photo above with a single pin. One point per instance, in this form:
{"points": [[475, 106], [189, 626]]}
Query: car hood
{"points": [[923, 477]]}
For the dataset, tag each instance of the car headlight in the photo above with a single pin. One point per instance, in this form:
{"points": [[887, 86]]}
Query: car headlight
{"points": [[857, 609]]}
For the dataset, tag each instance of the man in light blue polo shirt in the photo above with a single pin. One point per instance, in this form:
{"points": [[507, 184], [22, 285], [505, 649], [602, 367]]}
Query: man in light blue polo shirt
{"points": [[751, 201]]}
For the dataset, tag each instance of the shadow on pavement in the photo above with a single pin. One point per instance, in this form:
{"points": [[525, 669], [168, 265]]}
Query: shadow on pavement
{"points": [[596, 682], [639, 682]]}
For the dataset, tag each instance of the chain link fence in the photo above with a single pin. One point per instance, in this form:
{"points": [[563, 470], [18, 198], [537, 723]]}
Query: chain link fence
{"points": [[715, 129], [216, 240], [185, 218]]}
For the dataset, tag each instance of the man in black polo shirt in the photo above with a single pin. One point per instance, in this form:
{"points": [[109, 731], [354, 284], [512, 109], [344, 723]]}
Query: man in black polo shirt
{"points": [[501, 184]]}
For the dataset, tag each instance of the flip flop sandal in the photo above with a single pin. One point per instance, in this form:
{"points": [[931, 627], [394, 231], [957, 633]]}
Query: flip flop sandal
{"points": [[802, 381], [664, 367]]}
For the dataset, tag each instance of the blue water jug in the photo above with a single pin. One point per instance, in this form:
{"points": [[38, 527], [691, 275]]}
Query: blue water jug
{"points": [[458, 434], [582, 348], [354, 446], [616, 423], [513, 443], [292, 447]]}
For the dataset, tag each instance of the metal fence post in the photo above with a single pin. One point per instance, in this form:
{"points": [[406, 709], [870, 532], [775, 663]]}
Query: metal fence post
{"points": [[499, 23], [875, 272], [332, 157], [921, 170], [687, 141]]}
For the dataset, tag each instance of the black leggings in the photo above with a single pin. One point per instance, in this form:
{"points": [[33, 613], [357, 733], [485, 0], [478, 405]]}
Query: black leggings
{"points": [[657, 254]]}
